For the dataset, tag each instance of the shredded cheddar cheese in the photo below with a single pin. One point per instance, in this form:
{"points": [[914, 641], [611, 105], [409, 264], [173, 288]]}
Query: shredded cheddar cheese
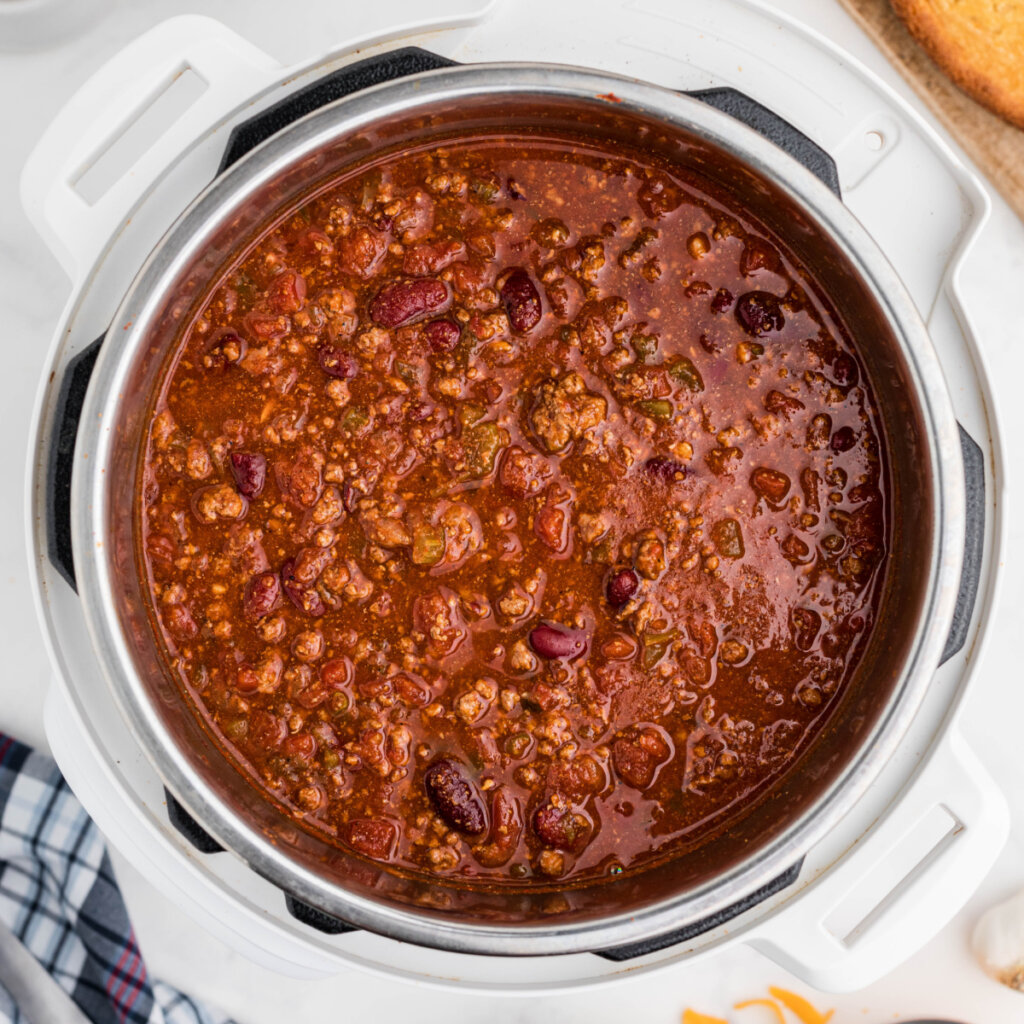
{"points": [[800, 1008], [773, 1006], [693, 1017], [804, 1012]]}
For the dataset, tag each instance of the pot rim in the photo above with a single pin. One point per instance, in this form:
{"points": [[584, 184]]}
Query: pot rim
{"points": [[187, 236]]}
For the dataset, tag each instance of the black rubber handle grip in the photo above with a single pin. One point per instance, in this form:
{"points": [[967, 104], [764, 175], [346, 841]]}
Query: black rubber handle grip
{"points": [[775, 129], [70, 400], [706, 924], [189, 827], [410, 60], [307, 915]]}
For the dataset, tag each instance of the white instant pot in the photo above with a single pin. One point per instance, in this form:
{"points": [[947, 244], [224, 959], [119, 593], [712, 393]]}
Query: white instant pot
{"points": [[905, 859]]}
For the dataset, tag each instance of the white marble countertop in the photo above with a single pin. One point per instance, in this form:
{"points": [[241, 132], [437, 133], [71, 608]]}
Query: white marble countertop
{"points": [[941, 980]]}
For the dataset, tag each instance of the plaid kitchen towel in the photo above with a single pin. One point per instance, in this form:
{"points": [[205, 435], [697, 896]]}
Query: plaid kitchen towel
{"points": [[59, 897]]}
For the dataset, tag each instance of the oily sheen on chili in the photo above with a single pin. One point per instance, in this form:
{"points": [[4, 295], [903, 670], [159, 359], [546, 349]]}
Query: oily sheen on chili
{"points": [[514, 509]]}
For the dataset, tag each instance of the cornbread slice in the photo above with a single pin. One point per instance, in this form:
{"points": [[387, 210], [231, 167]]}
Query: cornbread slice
{"points": [[978, 43]]}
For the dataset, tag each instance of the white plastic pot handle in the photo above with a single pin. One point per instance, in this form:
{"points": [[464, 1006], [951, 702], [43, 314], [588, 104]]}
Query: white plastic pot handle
{"points": [[812, 942], [108, 104]]}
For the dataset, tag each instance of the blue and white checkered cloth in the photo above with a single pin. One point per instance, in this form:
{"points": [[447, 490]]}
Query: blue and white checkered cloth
{"points": [[59, 897]]}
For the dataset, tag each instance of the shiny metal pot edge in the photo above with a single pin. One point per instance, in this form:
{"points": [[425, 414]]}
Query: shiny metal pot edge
{"points": [[89, 511]]}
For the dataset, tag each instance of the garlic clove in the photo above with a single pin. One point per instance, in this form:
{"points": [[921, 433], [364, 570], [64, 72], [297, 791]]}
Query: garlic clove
{"points": [[998, 941]]}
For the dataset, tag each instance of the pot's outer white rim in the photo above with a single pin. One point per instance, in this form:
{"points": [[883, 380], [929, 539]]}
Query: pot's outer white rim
{"points": [[263, 164]]}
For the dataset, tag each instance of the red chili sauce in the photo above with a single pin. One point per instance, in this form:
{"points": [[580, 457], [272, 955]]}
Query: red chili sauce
{"points": [[513, 509]]}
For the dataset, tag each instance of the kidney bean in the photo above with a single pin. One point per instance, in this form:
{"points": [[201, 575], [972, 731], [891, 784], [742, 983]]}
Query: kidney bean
{"points": [[245, 549], [696, 668], [549, 526], [806, 624], [862, 492], [303, 596], [312, 242], [300, 746], [664, 469], [310, 562], [412, 691], [844, 370], [337, 672], [350, 498], [417, 412], [267, 326], [843, 439], [250, 472], [287, 292], [178, 620], [795, 550], [455, 797], [505, 832], [247, 681], [659, 195], [704, 634], [266, 731], [471, 277], [161, 549], [521, 300], [430, 257], [442, 335], [722, 301], [770, 484], [759, 254], [336, 362], [363, 251], [553, 522], [403, 302], [551, 640], [373, 837], [416, 217], [481, 243], [561, 827], [621, 586], [261, 596], [759, 313], [637, 756], [374, 687]]}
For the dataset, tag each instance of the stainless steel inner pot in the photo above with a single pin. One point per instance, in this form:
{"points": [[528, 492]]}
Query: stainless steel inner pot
{"points": [[925, 545]]}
